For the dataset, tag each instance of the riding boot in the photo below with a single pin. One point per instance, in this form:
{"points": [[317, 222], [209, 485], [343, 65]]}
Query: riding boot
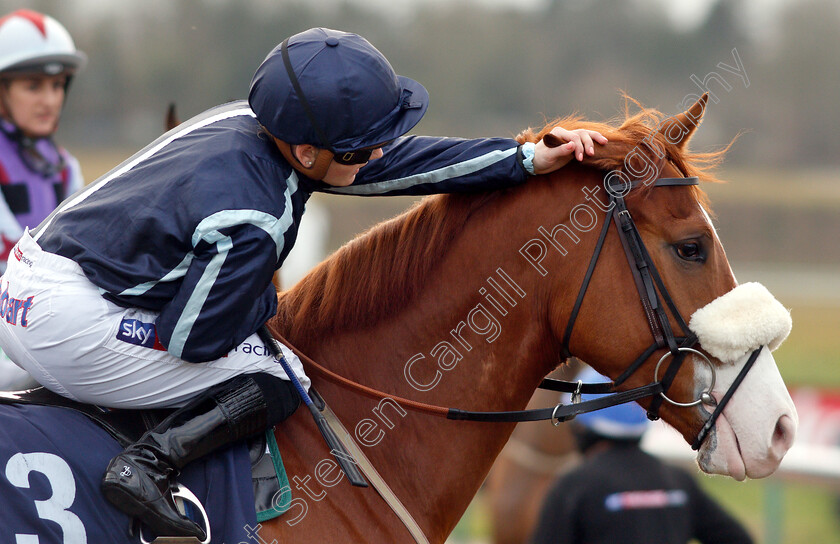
{"points": [[138, 480]]}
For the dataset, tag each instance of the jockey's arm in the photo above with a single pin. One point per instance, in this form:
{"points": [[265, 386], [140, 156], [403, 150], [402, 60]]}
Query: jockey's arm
{"points": [[226, 295], [418, 165]]}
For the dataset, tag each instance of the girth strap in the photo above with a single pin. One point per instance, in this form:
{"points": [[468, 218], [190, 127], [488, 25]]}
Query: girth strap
{"points": [[124, 426]]}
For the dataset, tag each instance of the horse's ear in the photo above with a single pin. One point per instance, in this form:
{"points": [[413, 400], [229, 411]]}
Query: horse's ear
{"points": [[171, 117], [679, 128]]}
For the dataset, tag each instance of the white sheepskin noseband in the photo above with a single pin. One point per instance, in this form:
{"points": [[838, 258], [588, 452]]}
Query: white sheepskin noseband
{"points": [[740, 321]]}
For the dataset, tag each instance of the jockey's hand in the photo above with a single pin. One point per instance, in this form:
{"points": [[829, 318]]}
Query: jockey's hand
{"points": [[559, 146]]}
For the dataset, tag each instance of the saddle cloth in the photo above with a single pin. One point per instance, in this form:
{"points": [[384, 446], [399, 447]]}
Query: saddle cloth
{"points": [[51, 462]]}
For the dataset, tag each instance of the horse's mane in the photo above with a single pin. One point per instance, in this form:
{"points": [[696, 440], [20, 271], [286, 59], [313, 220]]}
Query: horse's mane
{"points": [[378, 272], [382, 270]]}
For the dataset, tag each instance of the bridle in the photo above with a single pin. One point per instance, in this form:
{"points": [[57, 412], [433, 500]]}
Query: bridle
{"points": [[647, 279], [649, 286]]}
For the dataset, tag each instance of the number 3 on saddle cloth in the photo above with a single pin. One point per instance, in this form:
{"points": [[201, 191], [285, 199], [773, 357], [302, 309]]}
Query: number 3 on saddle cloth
{"points": [[51, 464]]}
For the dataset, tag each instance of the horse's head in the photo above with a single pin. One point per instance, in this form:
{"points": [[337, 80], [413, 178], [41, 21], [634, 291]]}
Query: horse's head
{"points": [[660, 279]]}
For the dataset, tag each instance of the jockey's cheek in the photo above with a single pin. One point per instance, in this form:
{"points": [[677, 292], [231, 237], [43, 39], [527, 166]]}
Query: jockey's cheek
{"points": [[341, 175]]}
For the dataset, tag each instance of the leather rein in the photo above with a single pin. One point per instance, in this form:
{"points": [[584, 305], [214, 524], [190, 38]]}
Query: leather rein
{"points": [[649, 286]]}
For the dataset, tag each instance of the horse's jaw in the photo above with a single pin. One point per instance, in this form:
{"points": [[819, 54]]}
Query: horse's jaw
{"points": [[757, 427]]}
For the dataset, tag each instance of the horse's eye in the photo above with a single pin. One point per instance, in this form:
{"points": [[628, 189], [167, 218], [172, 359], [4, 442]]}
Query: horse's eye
{"points": [[690, 251]]}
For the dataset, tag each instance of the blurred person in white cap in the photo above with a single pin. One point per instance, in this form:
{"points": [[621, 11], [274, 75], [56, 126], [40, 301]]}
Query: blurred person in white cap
{"points": [[621, 494], [37, 61]]}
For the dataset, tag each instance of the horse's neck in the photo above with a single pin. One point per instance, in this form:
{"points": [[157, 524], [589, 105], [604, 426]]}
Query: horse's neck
{"points": [[477, 338]]}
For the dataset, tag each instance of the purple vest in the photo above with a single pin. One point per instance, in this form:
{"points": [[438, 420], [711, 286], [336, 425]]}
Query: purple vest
{"points": [[32, 196]]}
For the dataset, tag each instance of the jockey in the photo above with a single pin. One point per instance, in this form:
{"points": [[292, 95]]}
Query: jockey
{"points": [[37, 61], [147, 288]]}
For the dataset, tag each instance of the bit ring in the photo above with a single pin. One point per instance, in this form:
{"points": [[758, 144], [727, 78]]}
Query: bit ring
{"points": [[705, 397]]}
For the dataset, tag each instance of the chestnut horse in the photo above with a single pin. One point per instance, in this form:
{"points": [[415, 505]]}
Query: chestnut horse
{"points": [[462, 302], [521, 476]]}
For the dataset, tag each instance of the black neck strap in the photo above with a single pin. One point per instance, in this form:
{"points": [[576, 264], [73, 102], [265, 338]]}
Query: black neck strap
{"points": [[564, 412], [33, 159], [284, 51]]}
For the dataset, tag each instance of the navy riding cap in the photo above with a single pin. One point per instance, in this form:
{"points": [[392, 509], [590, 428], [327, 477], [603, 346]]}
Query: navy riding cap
{"points": [[351, 96]]}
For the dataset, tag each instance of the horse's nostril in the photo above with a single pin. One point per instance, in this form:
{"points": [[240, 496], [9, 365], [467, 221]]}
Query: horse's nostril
{"points": [[783, 435]]}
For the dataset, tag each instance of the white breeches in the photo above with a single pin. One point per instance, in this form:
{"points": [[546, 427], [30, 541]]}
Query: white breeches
{"points": [[55, 325]]}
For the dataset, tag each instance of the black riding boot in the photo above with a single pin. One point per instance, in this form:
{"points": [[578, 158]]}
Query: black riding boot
{"points": [[138, 480]]}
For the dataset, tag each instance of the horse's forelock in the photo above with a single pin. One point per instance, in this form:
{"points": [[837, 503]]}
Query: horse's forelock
{"points": [[632, 131]]}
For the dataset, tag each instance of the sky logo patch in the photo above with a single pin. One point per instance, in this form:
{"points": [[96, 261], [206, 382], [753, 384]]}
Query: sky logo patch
{"points": [[139, 333]]}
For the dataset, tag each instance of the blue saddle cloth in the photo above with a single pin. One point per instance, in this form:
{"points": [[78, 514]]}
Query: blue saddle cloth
{"points": [[51, 462]]}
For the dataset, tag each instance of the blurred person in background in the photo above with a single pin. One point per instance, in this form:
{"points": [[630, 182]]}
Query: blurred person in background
{"points": [[621, 494], [37, 61]]}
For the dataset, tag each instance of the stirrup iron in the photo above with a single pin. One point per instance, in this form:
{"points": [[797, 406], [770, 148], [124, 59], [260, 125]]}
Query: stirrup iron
{"points": [[180, 495]]}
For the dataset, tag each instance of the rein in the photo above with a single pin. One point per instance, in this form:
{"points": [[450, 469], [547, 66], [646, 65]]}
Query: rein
{"points": [[649, 285]]}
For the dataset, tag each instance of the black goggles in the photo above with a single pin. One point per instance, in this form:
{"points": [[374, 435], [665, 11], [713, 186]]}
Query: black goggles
{"points": [[360, 156]]}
